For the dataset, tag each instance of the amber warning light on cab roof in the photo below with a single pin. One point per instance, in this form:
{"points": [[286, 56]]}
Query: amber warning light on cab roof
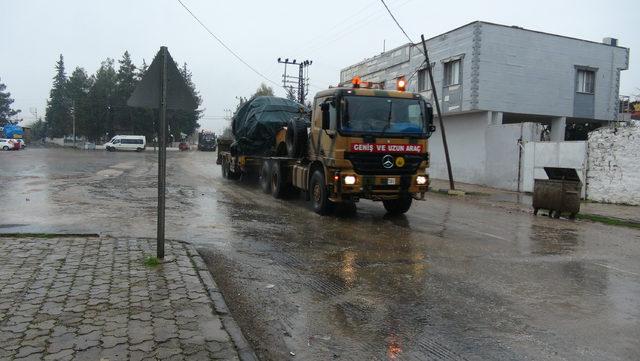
{"points": [[356, 82], [401, 84]]}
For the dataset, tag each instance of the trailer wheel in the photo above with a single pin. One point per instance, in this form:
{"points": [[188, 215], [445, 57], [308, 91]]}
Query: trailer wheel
{"points": [[319, 195], [265, 177], [296, 137], [225, 169], [398, 206], [278, 186]]}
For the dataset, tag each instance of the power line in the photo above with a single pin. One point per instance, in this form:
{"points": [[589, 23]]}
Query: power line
{"points": [[396, 21], [225, 45]]}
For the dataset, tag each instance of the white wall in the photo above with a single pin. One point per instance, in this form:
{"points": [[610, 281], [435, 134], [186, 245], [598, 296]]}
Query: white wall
{"points": [[614, 165], [466, 140], [538, 155], [504, 152]]}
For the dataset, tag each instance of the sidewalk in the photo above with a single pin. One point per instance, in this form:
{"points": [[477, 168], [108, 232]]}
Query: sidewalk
{"points": [[522, 201], [96, 299]]}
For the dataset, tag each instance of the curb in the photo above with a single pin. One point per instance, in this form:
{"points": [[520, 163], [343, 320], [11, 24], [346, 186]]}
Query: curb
{"points": [[245, 351], [448, 192]]}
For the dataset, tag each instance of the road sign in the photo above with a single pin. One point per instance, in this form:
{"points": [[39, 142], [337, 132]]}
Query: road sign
{"points": [[162, 87]]}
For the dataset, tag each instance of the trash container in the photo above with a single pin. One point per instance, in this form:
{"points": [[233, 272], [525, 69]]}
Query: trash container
{"points": [[558, 194]]}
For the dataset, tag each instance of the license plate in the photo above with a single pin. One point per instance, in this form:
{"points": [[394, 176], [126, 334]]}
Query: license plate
{"points": [[391, 181]]}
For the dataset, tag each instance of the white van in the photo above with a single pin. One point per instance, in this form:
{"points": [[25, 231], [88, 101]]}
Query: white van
{"points": [[126, 142]]}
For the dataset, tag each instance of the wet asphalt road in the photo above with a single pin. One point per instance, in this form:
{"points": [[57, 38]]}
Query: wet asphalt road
{"points": [[453, 279]]}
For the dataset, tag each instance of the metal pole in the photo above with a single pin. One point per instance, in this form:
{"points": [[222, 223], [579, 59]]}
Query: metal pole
{"points": [[73, 105], [301, 83], [162, 154], [435, 98]]}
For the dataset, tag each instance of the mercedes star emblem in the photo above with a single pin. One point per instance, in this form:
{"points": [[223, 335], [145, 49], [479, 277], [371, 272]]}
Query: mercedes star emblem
{"points": [[387, 161]]}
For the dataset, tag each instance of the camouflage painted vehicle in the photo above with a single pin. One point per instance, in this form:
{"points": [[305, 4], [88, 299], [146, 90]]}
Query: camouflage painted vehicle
{"points": [[361, 144]]}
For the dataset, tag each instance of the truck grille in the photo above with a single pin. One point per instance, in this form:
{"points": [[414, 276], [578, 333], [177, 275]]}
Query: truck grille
{"points": [[371, 163]]}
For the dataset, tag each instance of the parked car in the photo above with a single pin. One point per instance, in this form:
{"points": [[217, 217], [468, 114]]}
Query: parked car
{"points": [[127, 142], [9, 144]]}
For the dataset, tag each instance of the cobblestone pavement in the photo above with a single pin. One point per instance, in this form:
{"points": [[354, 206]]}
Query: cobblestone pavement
{"points": [[95, 299]]}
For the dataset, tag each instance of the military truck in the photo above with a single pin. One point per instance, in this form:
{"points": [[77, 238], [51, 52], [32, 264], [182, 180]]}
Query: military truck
{"points": [[359, 143], [207, 140]]}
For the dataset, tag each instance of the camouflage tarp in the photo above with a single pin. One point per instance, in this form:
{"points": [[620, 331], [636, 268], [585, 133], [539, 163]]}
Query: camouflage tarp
{"points": [[257, 122]]}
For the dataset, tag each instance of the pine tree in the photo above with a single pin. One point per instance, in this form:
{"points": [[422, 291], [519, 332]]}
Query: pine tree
{"points": [[263, 90], [142, 70], [58, 114], [126, 79], [6, 112], [78, 88], [101, 100], [186, 121]]}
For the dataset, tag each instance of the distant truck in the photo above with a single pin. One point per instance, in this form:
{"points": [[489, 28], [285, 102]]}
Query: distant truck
{"points": [[359, 143], [207, 141], [11, 131]]}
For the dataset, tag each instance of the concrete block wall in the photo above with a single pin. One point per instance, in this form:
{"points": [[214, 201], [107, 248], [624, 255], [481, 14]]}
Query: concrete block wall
{"points": [[407, 59], [613, 174], [508, 69], [530, 72]]}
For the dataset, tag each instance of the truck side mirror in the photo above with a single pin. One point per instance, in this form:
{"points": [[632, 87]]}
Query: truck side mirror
{"points": [[432, 128], [326, 120]]}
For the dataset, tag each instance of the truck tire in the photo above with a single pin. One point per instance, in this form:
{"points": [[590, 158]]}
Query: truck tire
{"points": [[278, 182], [398, 206], [319, 195], [265, 177], [225, 169], [296, 138]]}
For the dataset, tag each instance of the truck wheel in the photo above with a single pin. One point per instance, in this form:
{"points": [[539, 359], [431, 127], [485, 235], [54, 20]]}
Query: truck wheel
{"points": [[225, 169], [278, 186], [296, 137], [319, 195], [398, 206], [265, 177]]}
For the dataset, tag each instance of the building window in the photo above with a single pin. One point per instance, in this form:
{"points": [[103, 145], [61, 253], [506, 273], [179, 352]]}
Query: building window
{"points": [[452, 72], [424, 83], [586, 81]]}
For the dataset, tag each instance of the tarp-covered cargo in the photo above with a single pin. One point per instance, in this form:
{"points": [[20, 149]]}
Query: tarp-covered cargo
{"points": [[257, 122]]}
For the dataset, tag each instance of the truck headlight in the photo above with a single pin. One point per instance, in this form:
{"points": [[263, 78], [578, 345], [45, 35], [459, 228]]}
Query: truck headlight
{"points": [[350, 180], [421, 180]]}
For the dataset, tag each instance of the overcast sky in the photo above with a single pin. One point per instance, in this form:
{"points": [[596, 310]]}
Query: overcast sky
{"points": [[332, 33]]}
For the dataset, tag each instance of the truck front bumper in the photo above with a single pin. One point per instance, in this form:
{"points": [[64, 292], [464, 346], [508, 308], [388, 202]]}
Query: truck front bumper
{"points": [[378, 187]]}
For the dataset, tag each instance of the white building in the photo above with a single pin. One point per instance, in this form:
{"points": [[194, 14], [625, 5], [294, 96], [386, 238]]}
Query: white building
{"points": [[500, 84]]}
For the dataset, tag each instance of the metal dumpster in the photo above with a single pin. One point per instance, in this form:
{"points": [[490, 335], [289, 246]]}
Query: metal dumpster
{"points": [[558, 194]]}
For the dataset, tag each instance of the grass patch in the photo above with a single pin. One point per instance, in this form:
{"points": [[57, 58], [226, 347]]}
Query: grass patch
{"points": [[608, 220], [48, 235], [151, 261]]}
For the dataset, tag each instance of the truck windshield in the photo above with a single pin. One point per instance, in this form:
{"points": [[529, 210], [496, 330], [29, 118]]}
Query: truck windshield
{"points": [[382, 115]]}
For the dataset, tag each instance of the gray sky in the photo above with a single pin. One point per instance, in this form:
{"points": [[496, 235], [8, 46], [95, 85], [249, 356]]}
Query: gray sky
{"points": [[332, 33]]}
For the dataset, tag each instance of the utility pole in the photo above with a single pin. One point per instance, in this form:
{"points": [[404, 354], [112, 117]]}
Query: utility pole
{"points": [[162, 154], [73, 118], [301, 81], [435, 98]]}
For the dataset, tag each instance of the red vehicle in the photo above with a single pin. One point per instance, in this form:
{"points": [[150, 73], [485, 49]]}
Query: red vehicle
{"points": [[183, 146]]}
